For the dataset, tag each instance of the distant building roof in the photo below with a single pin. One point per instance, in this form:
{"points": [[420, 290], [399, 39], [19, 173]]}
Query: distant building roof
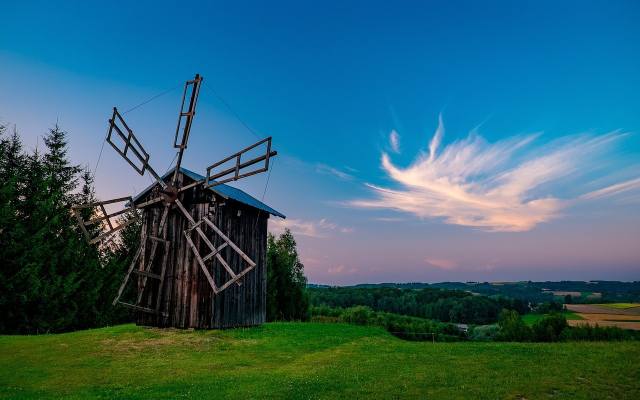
{"points": [[226, 191]]}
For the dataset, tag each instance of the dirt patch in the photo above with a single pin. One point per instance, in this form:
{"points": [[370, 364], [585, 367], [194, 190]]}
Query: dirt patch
{"points": [[160, 339], [599, 309]]}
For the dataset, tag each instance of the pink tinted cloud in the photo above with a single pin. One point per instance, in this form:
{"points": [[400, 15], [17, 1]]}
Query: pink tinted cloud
{"points": [[491, 186]]}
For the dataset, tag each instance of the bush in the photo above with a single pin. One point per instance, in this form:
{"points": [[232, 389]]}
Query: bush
{"points": [[597, 333], [512, 328], [402, 326], [484, 333], [359, 315], [549, 328]]}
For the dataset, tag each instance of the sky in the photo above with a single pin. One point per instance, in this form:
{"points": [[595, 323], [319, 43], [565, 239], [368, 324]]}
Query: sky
{"points": [[418, 141]]}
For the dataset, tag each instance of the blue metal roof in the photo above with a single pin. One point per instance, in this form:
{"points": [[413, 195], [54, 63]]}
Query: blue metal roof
{"points": [[226, 191]]}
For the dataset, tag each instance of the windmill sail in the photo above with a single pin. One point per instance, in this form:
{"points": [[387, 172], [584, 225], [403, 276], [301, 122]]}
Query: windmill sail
{"points": [[100, 224]]}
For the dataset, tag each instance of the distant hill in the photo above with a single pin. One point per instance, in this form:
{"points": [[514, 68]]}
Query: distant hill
{"points": [[598, 291]]}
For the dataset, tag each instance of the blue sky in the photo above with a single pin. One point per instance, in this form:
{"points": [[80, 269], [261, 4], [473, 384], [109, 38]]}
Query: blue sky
{"points": [[545, 186]]}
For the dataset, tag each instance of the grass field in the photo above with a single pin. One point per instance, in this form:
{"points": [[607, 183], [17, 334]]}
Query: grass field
{"points": [[307, 360], [530, 319]]}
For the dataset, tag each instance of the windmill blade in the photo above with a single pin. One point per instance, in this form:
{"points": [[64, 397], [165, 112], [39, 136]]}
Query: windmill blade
{"points": [[96, 223], [184, 211], [145, 272], [185, 118], [240, 169], [214, 252], [132, 150]]}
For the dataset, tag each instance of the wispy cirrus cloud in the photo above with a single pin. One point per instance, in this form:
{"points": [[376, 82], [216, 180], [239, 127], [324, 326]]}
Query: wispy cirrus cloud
{"points": [[317, 229], [503, 186], [326, 169], [613, 190], [394, 141]]}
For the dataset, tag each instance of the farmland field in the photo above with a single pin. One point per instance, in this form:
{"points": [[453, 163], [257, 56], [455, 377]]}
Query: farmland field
{"points": [[622, 315], [307, 360], [622, 306]]}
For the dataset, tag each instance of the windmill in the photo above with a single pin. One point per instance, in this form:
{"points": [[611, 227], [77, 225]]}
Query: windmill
{"points": [[188, 256]]}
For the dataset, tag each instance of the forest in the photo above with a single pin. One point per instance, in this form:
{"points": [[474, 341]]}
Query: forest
{"points": [[431, 303]]}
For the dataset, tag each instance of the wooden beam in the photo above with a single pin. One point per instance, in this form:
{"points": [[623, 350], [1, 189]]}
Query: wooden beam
{"points": [[201, 263], [131, 266], [226, 239]]}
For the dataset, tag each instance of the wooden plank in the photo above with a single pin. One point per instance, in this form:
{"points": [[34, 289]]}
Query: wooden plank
{"points": [[149, 202], [111, 232], [231, 244], [97, 203], [147, 274], [202, 265], [106, 216], [152, 255], [216, 251], [186, 214], [137, 308], [131, 266], [189, 186]]}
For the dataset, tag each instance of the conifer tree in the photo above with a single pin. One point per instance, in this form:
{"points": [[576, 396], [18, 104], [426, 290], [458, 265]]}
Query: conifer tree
{"points": [[11, 169]]}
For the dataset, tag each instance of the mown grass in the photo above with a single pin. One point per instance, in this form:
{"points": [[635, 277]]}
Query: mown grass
{"points": [[531, 319], [307, 360]]}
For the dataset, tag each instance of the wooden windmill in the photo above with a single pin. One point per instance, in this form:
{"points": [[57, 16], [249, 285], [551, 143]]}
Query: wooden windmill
{"points": [[201, 260]]}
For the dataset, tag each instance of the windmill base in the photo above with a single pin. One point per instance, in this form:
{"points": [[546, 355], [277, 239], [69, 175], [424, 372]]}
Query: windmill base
{"points": [[186, 296]]}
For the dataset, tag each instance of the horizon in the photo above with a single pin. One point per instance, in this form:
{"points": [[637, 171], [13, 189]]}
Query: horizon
{"points": [[415, 145], [469, 282]]}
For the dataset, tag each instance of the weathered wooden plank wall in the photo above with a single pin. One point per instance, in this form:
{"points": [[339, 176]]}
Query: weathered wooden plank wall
{"points": [[187, 299]]}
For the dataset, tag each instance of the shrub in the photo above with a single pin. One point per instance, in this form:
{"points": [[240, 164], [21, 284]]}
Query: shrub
{"points": [[484, 333], [359, 315], [549, 328], [597, 333], [512, 328]]}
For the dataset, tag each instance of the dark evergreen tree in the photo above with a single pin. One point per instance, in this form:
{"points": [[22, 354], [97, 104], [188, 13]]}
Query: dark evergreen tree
{"points": [[51, 279], [11, 233]]}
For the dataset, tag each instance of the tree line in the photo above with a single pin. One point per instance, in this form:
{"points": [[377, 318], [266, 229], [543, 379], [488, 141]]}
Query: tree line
{"points": [[437, 304], [51, 280]]}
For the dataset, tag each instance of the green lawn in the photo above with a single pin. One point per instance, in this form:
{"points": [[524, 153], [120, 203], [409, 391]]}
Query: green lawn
{"points": [[530, 319], [307, 360]]}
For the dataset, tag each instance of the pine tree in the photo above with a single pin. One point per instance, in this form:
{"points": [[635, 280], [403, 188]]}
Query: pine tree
{"points": [[11, 170], [51, 279]]}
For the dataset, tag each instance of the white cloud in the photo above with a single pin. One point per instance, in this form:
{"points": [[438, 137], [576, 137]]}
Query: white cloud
{"points": [[394, 141], [326, 169], [501, 186], [436, 139], [317, 229]]}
